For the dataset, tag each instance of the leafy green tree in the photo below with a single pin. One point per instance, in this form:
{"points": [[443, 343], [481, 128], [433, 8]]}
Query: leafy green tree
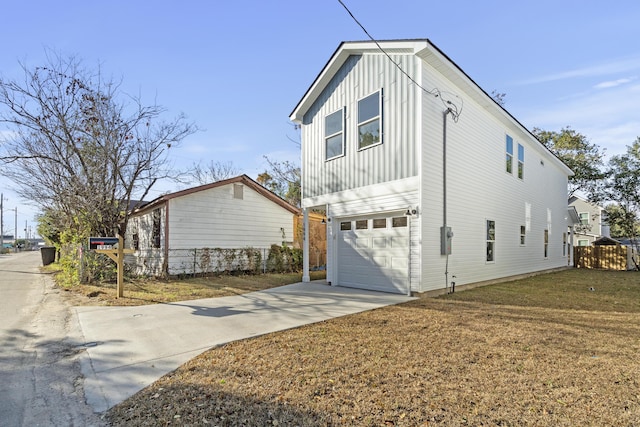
{"points": [[622, 186], [574, 149]]}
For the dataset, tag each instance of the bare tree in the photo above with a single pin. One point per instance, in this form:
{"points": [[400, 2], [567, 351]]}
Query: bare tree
{"points": [[283, 178], [213, 172], [80, 148]]}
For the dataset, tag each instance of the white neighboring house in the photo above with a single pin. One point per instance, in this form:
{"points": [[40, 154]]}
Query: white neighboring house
{"points": [[235, 213], [398, 175], [592, 225]]}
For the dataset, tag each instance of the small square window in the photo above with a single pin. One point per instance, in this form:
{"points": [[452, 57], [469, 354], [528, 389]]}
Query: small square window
{"points": [[345, 226], [362, 224], [380, 223], [399, 221]]}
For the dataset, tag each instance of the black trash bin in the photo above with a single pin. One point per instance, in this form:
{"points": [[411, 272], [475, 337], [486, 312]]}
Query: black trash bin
{"points": [[48, 254]]}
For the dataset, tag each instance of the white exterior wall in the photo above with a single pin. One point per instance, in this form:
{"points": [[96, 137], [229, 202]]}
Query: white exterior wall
{"points": [[215, 219], [394, 159], [371, 201], [212, 219], [480, 189]]}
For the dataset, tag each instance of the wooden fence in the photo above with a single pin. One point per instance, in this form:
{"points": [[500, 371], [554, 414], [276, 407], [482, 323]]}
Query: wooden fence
{"points": [[614, 257]]}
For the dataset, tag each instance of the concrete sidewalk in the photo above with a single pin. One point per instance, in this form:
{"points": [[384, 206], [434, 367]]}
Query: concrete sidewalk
{"points": [[128, 348]]}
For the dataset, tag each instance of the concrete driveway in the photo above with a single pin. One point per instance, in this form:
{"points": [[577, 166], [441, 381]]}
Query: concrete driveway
{"points": [[128, 348]]}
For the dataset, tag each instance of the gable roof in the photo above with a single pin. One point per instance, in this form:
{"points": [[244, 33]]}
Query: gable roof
{"points": [[242, 179], [428, 52]]}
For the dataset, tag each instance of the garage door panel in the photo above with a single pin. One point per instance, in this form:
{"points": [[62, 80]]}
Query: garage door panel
{"points": [[374, 258]]}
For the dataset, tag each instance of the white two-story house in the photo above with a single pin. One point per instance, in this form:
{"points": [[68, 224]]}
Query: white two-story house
{"points": [[424, 178]]}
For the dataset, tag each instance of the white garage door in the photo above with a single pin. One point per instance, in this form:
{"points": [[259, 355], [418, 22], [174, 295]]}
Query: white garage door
{"points": [[373, 253]]}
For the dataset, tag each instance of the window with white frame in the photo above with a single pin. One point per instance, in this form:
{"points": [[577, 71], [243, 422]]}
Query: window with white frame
{"points": [[334, 134], [520, 161], [564, 244], [583, 242], [509, 149], [491, 240], [546, 243], [523, 235], [584, 218], [370, 120]]}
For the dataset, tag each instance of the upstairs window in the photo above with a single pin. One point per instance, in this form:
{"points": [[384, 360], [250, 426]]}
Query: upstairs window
{"points": [[584, 218], [369, 121], [520, 161], [334, 134], [509, 144]]}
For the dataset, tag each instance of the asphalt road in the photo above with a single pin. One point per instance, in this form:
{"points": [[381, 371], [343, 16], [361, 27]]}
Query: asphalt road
{"points": [[40, 379]]}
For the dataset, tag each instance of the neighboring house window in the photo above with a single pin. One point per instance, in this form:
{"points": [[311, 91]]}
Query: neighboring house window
{"points": [[546, 243], [334, 135], [583, 242], [523, 234], [491, 240], [520, 161], [155, 236], [136, 241], [584, 218], [238, 191], [509, 164], [369, 121], [564, 244]]}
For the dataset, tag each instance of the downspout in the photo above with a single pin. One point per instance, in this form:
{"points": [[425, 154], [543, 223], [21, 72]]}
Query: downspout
{"points": [[444, 194]]}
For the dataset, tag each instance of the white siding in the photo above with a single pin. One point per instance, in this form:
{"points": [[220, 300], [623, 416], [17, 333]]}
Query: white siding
{"points": [[394, 159], [480, 189], [372, 201], [215, 219]]}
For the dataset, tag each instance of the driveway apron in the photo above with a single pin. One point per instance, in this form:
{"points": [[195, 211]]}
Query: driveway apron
{"points": [[128, 348]]}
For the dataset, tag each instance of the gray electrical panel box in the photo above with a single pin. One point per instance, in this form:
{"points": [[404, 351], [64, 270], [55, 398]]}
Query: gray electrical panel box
{"points": [[445, 240]]}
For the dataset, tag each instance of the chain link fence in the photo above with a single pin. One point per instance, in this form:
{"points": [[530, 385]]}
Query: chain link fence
{"points": [[211, 261]]}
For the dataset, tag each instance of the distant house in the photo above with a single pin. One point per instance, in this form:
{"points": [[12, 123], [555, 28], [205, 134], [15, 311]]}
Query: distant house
{"points": [[592, 225], [235, 213], [424, 178]]}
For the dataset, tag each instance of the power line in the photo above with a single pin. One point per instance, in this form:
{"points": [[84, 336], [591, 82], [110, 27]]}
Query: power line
{"points": [[452, 107]]}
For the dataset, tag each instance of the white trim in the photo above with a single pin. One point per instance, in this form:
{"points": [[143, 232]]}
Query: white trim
{"points": [[371, 120], [405, 185], [342, 131]]}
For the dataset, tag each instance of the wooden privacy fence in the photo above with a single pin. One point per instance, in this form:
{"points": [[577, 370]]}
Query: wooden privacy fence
{"points": [[614, 257]]}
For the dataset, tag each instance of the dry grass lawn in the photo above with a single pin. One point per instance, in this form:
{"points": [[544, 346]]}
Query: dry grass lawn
{"points": [[544, 351]]}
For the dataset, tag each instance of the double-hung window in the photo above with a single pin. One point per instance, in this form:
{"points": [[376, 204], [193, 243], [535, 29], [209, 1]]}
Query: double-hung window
{"points": [[491, 240], [334, 134], [370, 120], [509, 149], [520, 161]]}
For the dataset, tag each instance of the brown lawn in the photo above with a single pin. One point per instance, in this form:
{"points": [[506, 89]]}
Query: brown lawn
{"points": [[544, 351]]}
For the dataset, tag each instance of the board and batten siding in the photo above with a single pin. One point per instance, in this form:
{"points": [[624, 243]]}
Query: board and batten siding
{"points": [[380, 200], [394, 159], [480, 189], [213, 218]]}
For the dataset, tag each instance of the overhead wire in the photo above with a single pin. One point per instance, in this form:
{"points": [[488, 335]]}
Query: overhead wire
{"points": [[448, 104]]}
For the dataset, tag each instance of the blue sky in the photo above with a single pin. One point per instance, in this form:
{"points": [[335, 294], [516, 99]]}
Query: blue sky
{"points": [[238, 68]]}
